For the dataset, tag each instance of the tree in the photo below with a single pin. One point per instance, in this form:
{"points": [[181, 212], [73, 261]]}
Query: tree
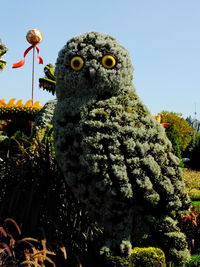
{"points": [[194, 123], [179, 132], [194, 152]]}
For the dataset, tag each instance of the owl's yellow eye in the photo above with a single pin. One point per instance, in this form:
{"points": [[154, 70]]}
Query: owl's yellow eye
{"points": [[108, 61], [76, 63]]}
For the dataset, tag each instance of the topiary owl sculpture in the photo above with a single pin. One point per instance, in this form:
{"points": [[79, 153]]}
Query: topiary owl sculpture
{"points": [[114, 155]]}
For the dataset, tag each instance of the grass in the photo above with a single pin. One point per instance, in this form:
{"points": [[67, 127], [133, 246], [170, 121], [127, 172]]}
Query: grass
{"points": [[192, 181], [26, 251], [196, 205]]}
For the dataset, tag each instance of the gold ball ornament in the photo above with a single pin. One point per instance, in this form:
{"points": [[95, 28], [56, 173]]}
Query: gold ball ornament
{"points": [[34, 36]]}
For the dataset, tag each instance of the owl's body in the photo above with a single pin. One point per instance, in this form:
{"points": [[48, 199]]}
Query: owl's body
{"points": [[114, 155]]}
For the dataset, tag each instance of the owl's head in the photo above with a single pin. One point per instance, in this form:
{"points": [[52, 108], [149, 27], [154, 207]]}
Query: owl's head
{"points": [[92, 64]]}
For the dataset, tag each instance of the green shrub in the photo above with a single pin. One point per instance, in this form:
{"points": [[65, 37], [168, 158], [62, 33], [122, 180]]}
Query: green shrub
{"points": [[148, 257], [140, 257], [194, 261], [175, 140], [116, 261], [193, 152]]}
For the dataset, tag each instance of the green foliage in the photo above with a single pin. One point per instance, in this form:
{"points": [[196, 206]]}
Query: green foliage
{"points": [[148, 257], [2, 64], [116, 261], [48, 83], [192, 181], [30, 172], [17, 126], [193, 152], [194, 261], [143, 257], [196, 205], [3, 138], [194, 123], [173, 241], [175, 140], [179, 132], [3, 50], [45, 116], [34, 193], [194, 194]]}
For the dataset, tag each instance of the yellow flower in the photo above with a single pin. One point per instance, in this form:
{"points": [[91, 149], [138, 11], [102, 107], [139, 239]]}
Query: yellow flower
{"points": [[12, 110]]}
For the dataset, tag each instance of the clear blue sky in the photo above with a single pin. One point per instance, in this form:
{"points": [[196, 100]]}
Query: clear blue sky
{"points": [[162, 36]]}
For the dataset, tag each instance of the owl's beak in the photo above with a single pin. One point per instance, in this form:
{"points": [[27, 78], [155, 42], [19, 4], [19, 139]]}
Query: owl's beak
{"points": [[91, 75]]}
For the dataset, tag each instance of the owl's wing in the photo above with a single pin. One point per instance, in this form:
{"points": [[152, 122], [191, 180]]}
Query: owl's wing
{"points": [[118, 152], [131, 157]]}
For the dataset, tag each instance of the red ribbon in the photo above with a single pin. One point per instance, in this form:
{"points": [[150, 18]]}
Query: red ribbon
{"points": [[22, 62]]}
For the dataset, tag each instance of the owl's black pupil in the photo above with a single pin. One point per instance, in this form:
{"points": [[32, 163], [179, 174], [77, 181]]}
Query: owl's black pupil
{"points": [[109, 62], [76, 63]]}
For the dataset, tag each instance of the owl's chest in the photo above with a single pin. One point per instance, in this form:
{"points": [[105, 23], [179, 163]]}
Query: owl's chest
{"points": [[97, 126], [87, 130]]}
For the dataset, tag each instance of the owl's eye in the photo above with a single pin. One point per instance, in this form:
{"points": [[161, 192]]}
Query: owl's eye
{"points": [[108, 61], [76, 63]]}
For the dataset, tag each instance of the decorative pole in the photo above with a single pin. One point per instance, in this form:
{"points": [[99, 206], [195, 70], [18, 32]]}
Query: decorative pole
{"points": [[33, 74], [34, 37]]}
